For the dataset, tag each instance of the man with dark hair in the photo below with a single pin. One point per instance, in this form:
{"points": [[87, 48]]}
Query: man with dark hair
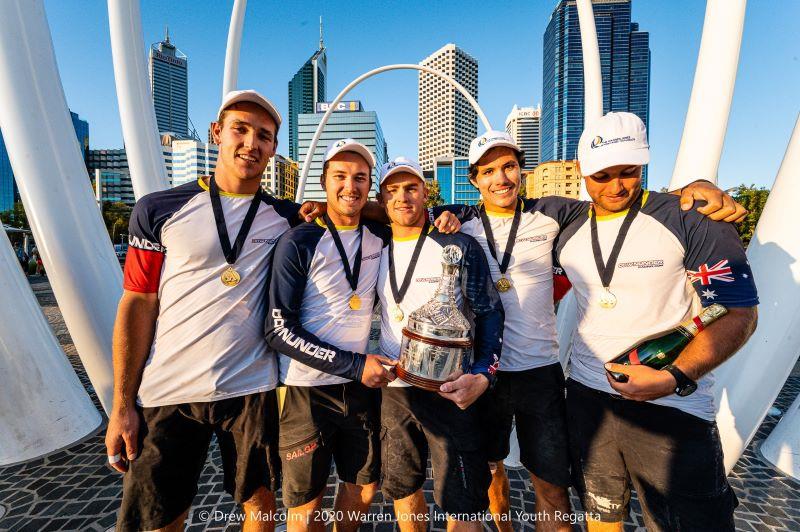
{"points": [[321, 297], [517, 236], [190, 361], [639, 267]]}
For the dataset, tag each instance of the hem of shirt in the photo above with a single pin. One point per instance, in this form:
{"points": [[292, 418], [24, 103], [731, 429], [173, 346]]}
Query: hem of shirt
{"points": [[318, 382], [527, 366], [593, 387], [206, 399]]}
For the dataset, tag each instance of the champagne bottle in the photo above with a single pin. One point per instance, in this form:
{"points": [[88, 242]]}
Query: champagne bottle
{"points": [[664, 349]]}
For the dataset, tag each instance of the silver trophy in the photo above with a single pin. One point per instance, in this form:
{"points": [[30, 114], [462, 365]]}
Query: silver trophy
{"points": [[436, 340]]}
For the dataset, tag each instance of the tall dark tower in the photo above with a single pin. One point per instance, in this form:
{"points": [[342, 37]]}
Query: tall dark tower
{"points": [[306, 89]]}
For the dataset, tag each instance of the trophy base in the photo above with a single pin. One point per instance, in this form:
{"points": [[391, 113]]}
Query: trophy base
{"points": [[417, 381]]}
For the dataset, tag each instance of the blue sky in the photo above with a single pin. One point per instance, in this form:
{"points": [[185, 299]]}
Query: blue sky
{"points": [[506, 40]]}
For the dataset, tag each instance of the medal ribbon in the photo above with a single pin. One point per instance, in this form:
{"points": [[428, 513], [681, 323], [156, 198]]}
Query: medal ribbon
{"points": [[512, 236], [606, 271], [398, 295], [352, 275], [232, 253]]}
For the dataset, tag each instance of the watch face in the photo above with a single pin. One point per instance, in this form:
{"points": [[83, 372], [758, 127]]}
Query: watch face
{"points": [[685, 390]]}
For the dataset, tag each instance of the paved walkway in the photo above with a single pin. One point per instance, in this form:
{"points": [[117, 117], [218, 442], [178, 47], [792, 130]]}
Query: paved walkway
{"points": [[75, 490]]}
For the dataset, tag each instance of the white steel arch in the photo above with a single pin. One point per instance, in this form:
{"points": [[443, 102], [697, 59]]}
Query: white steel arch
{"points": [[403, 66], [230, 77]]}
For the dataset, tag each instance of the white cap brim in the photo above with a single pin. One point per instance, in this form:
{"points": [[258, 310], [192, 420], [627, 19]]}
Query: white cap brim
{"points": [[402, 169], [638, 157], [250, 96]]}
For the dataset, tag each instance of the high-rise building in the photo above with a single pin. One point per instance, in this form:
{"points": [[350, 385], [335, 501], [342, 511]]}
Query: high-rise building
{"points": [[357, 124], [280, 177], [306, 90], [452, 174], [522, 123], [8, 186], [169, 84], [115, 176], [447, 123], [188, 160], [624, 65], [554, 178]]}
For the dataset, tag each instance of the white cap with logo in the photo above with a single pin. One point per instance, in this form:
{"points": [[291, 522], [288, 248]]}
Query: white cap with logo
{"points": [[491, 139], [353, 146], [613, 139], [251, 96], [398, 165]]}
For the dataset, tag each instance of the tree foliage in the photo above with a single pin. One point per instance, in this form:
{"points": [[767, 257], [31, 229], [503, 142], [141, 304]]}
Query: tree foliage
{"points": [[15, 217], [434, 195], [753, 199], [116, 216]]}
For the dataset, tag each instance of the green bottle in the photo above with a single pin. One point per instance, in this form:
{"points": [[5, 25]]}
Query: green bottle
{"points": [[663, 349]]}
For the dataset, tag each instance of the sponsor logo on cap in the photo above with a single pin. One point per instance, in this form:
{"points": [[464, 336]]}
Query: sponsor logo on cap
{"points": [[485, 140], [340, 144], [599, 142]]}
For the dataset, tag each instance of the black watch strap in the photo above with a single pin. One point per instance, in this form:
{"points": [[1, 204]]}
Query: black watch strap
{"points": [[685, 386]]}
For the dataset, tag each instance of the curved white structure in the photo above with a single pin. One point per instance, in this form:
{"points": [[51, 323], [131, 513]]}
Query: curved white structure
{"points": [[712, 92], [55, 188], [231, 75], [782, 446], [34, 372], [136, 113], [748, 384], [307, 161]]}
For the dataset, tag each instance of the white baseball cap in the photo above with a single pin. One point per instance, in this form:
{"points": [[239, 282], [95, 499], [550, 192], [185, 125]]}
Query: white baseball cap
{"points": [[614, 139], [491, 139], [398, 165], [252, 96], [350, 145]]}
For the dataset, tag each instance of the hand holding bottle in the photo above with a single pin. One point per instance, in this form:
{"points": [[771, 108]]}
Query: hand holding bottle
{"points": [[643, 382]]}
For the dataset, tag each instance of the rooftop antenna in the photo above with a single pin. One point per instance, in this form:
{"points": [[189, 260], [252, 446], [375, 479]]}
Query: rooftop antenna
{"points": [[166, 31], [321, 44]]}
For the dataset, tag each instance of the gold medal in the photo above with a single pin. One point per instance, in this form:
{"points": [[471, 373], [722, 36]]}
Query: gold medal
{"points": [[397, 313], [230, 277], [607, 299], [503, 284], [355, 302]]}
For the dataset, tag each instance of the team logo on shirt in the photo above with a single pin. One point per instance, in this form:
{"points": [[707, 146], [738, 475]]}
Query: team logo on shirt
{"points": [[143, 243], [264, 240], [371, 257], [653, 263], [494, 366], [706, 274]]}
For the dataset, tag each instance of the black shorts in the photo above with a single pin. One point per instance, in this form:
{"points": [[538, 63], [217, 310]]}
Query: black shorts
{"points": [[339, 422], [533, 399], [673, 459], [173, 441], [414, 421]]}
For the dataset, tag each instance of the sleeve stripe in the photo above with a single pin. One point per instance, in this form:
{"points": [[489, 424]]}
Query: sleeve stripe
{"points": [[143, 270]]}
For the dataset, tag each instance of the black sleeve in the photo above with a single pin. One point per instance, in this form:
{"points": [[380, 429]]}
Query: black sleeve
{"points": [[462, 212], [716, 263], [562, 210], [484, 301], [284, 331]]}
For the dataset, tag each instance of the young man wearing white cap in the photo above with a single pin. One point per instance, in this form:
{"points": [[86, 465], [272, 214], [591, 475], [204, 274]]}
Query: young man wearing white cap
{"points": [[640, 266], [417, 422], [189, 357], [321, 298], [517, 236]]}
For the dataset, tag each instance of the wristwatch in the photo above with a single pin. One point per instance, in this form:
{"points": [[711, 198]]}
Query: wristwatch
{"points": [[685, 386]]}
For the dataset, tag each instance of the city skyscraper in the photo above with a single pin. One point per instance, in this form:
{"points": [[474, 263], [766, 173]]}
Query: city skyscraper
{"points": [[452, 174], [280, 177], [524, 126], [8, 187], [169, 85], [349, 121], [306, 90], [447, 123], [624, 64]]}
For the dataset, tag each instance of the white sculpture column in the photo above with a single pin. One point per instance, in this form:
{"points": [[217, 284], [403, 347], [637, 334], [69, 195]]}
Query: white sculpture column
{"points": [[712, 92], [136, 113], [43, 406], [748, 383], [231, 76], [56, 190]]}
